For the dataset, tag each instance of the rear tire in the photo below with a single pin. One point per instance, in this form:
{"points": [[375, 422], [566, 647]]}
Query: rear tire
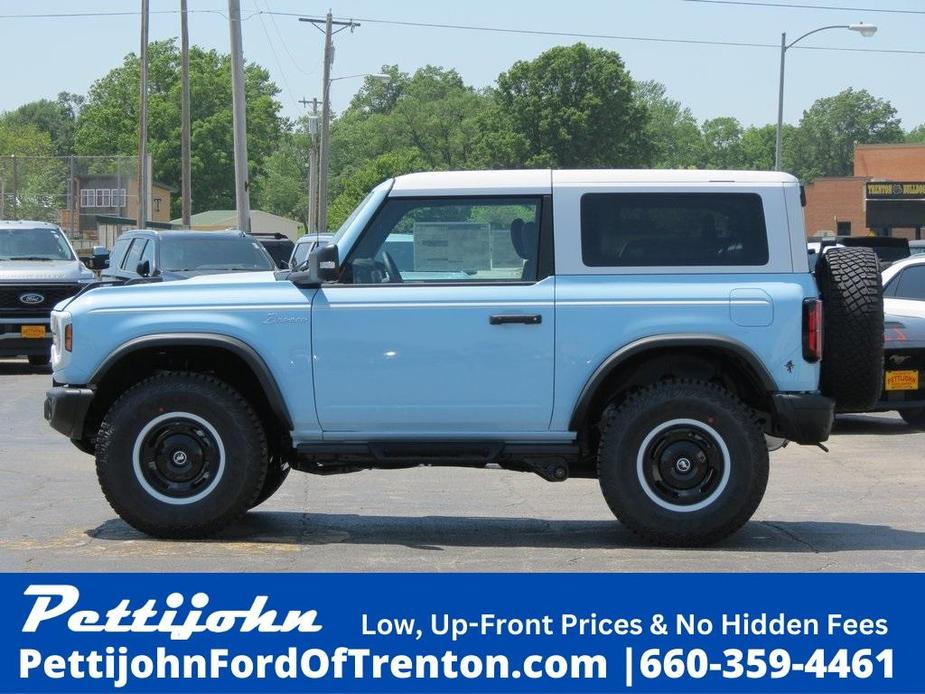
{"points": [[181, 455], [682, 463], [914, 417], [852, 359]]}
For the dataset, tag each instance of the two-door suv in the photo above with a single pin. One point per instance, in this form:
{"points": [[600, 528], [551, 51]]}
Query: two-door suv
{"points": [[657, 330]]}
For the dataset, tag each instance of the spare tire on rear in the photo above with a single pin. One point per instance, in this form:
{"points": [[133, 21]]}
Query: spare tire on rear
{"points": [[852, 347]]}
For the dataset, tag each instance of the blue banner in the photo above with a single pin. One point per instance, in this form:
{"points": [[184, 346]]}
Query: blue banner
{"points": [[461, 632]]}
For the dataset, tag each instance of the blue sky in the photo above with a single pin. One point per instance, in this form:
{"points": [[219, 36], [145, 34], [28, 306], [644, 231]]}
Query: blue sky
{"points": [[46, 55]]}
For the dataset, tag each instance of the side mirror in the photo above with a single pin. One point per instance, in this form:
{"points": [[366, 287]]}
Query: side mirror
{"points": [[323, 266], [144, 268], [99, 259]]}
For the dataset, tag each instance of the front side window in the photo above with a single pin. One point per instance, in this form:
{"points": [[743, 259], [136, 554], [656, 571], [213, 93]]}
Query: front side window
{"points": [[911, 283], [133, 257], [34, 244], [673, 229], [449, 240]]}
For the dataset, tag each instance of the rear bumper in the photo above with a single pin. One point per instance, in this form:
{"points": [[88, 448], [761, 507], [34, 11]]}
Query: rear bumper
{"points": [[66, 409], [804, 418]]}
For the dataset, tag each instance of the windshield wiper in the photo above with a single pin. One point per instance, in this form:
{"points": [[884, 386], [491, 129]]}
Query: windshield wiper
{"points": [[30, 257]]}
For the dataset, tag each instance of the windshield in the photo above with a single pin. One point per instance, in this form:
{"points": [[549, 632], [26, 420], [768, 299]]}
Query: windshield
{"points": [[353, 215], [34, 244], [301, 252], [231, 254]]}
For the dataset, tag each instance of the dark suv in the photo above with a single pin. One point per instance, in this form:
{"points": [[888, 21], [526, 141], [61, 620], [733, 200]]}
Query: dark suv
{"points": [[174, 255]]}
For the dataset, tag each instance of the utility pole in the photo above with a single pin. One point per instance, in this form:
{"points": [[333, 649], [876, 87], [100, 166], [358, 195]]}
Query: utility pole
{"points": [[312, 165], [143, 121], [185, 165], [325, 149], [241, 185]]}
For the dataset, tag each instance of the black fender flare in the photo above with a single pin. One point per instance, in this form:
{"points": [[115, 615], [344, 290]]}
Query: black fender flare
{"points": [[237, 347], [579, 412]]}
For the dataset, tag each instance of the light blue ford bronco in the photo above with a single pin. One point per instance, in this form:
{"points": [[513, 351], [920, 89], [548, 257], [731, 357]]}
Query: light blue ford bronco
{"points": [[657, 330]]}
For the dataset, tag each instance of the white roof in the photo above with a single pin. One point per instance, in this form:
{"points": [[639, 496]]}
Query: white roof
{"points": [[527, 181], [895, 268]]}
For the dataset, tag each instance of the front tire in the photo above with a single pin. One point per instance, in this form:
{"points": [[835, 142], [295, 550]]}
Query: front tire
{"points": [[915, 417], [682, 463], [181, 455], [39, 359]]}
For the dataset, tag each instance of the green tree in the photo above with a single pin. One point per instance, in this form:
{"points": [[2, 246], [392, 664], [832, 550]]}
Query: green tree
{"points": [[722, 144], [108, 122], [573, 106], [360, 181], [58, 118], [284, 189], [676, 138], [33, 182], [758, 145], [823, 144], [917, 134]]}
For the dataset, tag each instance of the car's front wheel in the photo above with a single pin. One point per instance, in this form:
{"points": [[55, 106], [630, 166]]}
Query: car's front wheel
{"points": [[181, 455], [682, 462], [914, 417]]}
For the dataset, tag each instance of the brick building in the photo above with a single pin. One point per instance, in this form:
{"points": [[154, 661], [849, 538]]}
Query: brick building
{"points": [[886, 195]]}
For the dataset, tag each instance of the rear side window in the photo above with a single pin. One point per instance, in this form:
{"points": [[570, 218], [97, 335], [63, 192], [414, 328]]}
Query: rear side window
{"points": [[672, 229]]}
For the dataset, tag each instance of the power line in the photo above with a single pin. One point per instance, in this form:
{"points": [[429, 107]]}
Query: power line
{"points": [[540, 32], [803, 6], [619, 37], [289, 92]]}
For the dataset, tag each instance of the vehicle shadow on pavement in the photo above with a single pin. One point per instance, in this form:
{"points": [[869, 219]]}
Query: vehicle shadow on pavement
{"points": [[871, 424], [437, 532], [21, 368]]}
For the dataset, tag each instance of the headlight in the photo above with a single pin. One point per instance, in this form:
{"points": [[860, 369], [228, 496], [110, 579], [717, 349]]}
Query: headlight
{"points": [[62, 337]]}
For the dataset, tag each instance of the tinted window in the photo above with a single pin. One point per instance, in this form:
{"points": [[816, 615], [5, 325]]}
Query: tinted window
{"points": [[301, 252], [230, 254], [672, 229], [911, 283], [118, 252], [133, 257], [449, 240], [33, 244]]}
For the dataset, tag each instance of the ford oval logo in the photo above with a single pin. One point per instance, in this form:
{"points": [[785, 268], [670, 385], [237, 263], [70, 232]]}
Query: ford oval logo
{"points": [[31, 299]]}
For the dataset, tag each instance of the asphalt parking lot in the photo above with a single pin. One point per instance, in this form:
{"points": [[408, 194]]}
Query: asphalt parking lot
{"points": [[857, 508]]}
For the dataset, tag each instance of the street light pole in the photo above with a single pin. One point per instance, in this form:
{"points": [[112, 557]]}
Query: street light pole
{"points": [[239, 119], [142, 178], [865, 30], [185, 165]]}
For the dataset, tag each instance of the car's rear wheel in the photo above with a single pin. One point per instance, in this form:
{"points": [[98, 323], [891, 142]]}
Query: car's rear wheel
{"points": [[852, 297], [682, 462], [914, 417], [181, 455]]}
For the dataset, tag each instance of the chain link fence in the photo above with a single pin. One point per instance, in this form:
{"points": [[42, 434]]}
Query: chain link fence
{"points": [[85, 195]]}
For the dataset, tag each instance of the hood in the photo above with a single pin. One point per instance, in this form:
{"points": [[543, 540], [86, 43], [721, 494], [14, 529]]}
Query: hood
{"points": [[43, 271], [904, 324], [203, 291]]}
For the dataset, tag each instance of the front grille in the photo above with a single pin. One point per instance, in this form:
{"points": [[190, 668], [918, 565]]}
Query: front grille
{"points": [[11, 303]]}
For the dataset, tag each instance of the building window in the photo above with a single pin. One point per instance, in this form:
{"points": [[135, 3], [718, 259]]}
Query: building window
{"points": [[157, 204], [118, 197], [87, 197], [843, 228]]}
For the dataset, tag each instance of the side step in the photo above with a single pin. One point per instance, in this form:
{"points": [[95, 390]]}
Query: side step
{"points": [[549, 461]]}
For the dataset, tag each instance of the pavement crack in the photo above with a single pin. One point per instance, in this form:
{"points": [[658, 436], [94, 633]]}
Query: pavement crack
{"points": [[793, 536]]}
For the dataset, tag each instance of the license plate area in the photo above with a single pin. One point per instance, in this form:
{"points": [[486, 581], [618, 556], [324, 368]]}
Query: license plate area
{"points": [[907, 379], [33, 332]]}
